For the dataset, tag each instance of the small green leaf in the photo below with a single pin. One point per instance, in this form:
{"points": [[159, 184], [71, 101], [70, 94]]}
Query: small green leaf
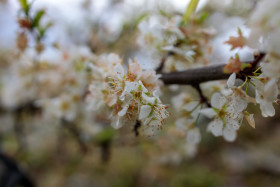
{"points": [[25, 6], [203, 17], [44, 29], [237, 56], [239, 31], [37, 18]]}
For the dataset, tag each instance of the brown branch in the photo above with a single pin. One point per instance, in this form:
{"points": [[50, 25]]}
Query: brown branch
{"points": [[195, 76], [165, 57], [210, 73], [203, 99], [162, 62], [254, 64], [76, 134]]}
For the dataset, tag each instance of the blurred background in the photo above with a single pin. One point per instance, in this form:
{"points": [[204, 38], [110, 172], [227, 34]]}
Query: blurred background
{"points": [[51, 153]]}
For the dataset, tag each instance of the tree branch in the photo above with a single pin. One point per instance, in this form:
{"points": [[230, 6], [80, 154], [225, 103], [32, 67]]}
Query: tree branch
{"points": [[203, 99], [204, 74], [76, 134], [195, 76]]}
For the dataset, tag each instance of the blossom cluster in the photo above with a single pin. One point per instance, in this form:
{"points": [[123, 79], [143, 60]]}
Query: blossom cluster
{"points": [[188, 46], [130, 95], [77, 85]]}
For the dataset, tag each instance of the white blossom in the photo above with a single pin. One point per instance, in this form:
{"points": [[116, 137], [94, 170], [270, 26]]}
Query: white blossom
{"points": [[227, 111], [266, 94]]}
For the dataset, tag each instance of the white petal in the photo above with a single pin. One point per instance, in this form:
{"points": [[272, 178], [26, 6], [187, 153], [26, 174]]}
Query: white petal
{"points": [[145, 111], [152, 128], [143, 88], [239, 104], [208, 112], [129, 87], [229, 134], [218, 100], [190, 106], [216, 127], [119, 71], [231, 80], [233, 123], [258, 97], [115, 123], [162, 112], [267, 109], [123, 111], [183, 123], [148, 99], [193, 136], [271, 90], [259, 85]]}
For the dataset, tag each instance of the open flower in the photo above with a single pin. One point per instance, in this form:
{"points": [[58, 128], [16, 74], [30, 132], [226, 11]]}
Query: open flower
{"points": [[266, 94], [227, 112], [152, 114]]}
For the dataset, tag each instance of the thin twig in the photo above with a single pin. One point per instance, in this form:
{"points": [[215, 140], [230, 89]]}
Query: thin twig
{"points": [[76, 134], [203, 99], [162, 62]]}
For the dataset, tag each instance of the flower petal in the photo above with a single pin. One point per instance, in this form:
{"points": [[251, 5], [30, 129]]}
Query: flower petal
{"points": [[231, 80], [145, 111], [216, 127], [218, 100], [123, 111], [267, 109], [229, 134], [208, 112], [193, 136]]}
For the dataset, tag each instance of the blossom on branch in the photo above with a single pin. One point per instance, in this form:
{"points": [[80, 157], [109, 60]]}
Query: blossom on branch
{"points": [[130, 95]]}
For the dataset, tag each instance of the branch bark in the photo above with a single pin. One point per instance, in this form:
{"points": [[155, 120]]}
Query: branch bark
{"points": [[204, 74], [195, 76]]}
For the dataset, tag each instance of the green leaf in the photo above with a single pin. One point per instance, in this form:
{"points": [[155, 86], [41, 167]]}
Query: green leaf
{"points": [[189, 11], [23, 3], [37, 18], [239, 31], [44, 29], [203, 17], [25, 6]]}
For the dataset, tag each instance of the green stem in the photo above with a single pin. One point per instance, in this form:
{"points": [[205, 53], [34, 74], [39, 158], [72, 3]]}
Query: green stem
{"points": [[244, 82], [189, 11]]}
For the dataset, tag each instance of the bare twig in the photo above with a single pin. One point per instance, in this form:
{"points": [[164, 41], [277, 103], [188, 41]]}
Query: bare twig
{"points": [[204, 74], [162, 62], [203, 99], [76, 134]]}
